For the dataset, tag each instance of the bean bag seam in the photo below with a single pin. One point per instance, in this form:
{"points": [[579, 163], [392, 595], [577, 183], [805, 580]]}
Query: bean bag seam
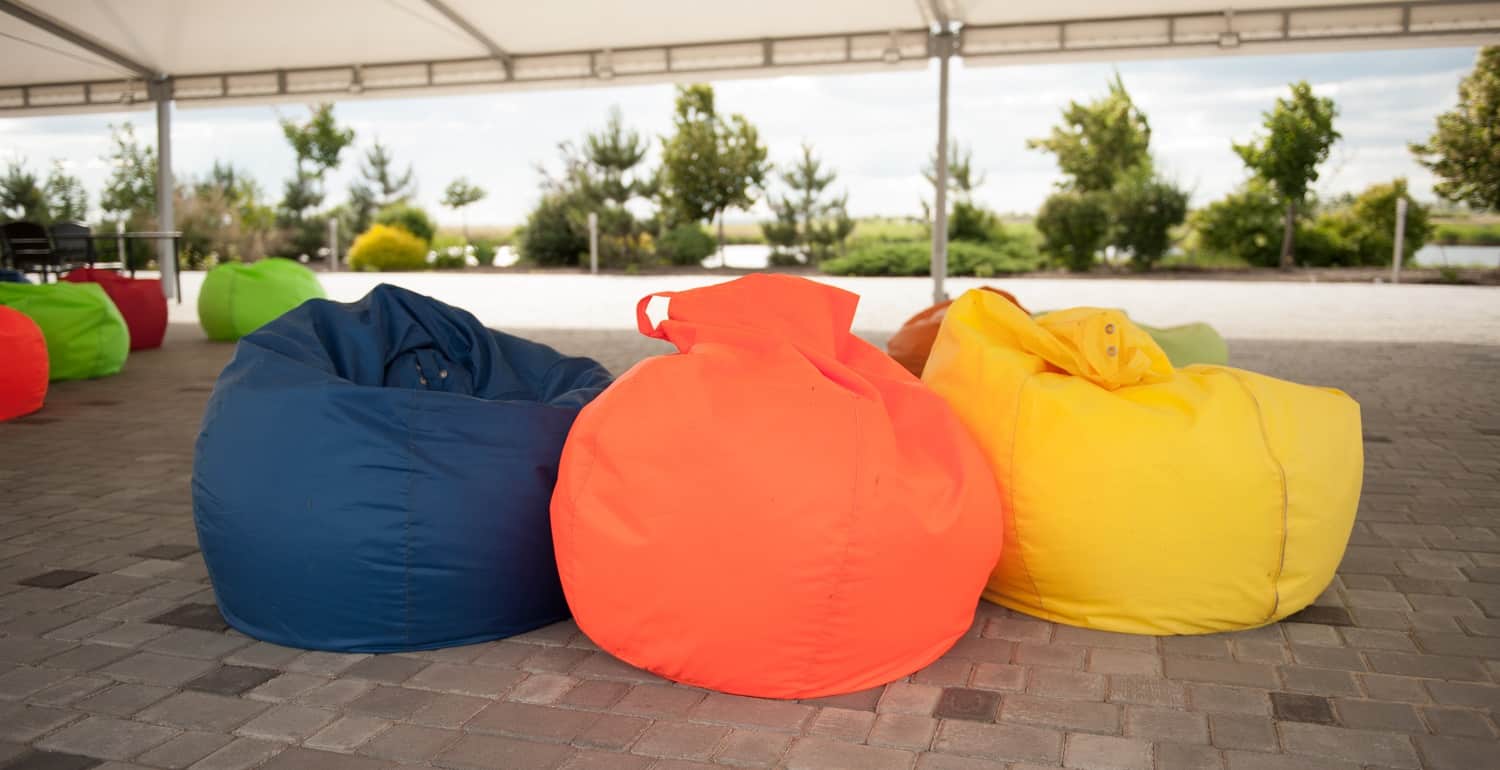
{"points": [[853, 520], [411, 476], [573, 498], [99, 341], [1010, 493], [1260, 422]]}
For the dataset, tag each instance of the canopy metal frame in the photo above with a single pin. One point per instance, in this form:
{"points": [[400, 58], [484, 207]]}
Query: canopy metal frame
{"points": [[944, 35]]}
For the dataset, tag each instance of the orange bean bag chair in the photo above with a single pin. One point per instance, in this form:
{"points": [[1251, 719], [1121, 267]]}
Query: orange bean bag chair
{"points": [[139, 299], [778, 510], [912, 343], [23, 364]]}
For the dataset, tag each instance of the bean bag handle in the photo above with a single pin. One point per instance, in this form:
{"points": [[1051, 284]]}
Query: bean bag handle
{"points": [[1100, 345], [643, 321], [814, 317]]}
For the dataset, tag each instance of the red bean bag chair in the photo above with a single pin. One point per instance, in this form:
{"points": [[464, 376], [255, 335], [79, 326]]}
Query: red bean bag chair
{"points": [[139, 299], [777, 510], [23, 377]]}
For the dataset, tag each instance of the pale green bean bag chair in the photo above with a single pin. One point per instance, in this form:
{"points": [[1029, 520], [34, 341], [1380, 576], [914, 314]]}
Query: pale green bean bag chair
{"points": [[85, 333], [238, 298], [1195, 343]]}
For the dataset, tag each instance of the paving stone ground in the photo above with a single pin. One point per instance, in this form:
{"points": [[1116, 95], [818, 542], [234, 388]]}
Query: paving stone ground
{"points": [[113, 656]]}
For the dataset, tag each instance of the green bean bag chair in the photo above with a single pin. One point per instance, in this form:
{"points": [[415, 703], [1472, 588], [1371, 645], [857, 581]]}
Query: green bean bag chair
{"points": [[85, 333], [237, 298], [1195, 343]]}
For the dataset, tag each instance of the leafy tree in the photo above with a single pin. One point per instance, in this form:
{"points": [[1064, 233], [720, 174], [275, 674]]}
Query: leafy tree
{"points": [[1464, 151], [613, 156], [962, 179], [808, 221], [131, 187], [67, 201], [234, 185], [1098, 142], [967, 220], [461, 194], [549, 236], [379, 185], [1373, 215], [602, 174], [711, 163], [412, 219], [1299, 135], [1144, 209], [1074, 227], [1245, 225], [21, 197], [1104, 147], [317, 143]]}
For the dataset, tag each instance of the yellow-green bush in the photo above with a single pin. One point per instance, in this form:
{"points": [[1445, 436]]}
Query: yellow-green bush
{"points": [[384, 248]]}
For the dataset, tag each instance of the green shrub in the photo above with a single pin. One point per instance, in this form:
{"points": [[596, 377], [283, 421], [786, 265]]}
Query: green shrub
{"points": [[1374, 218], [687, 244], [550, 237], [882, 258], [1245, 225], [1145, 209], [1328, 241], [1467, 234], [385, 248], [409, 218], [486, 248], [874, 257], [1074, 227], [969, 222]]}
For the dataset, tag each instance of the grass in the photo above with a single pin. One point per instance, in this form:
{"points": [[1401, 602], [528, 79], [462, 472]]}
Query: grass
{"points": [[498, 233], [1201, 261], [1466, 233]]}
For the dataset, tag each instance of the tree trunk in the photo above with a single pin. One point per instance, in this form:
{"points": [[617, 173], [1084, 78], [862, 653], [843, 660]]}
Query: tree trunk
{"points": [[721, 239], [1288, 235]]}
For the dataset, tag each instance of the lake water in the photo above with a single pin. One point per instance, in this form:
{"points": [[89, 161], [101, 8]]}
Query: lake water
{"points": [[1433, 255]]}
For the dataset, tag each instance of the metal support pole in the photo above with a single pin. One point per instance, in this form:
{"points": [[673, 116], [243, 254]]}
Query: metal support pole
{"points": [[333, 244], [943, 43], [593, 243], [120, 247], [166, 254], [1400, 249]]}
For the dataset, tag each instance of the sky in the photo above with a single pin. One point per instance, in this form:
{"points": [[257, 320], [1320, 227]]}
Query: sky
{"points": [[875, 130]]}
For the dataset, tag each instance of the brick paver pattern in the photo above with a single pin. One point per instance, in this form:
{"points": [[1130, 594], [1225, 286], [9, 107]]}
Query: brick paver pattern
{"points": [[113, 655]]}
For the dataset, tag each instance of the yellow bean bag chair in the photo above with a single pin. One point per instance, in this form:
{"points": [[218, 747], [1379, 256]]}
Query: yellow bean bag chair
{"points": [[1141, 498]]}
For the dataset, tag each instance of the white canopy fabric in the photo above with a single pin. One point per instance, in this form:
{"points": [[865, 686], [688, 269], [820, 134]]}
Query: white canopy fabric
{"points": [[59, 56], [91, 55]]}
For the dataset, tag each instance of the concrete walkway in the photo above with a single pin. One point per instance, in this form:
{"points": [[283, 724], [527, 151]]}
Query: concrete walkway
{"points": [[1239, 309], [112, 654]]}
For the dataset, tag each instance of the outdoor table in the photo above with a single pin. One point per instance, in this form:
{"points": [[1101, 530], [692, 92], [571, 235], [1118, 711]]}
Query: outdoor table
{"points": [[149, 235]]}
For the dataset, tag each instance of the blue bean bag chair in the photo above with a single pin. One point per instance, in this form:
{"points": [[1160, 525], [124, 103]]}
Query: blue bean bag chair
{"points": [[375, 476], [13, 276]]}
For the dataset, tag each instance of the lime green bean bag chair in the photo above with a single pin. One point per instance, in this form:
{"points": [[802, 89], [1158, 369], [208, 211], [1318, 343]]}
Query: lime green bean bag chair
{"points": [[237, 298], [1188, 344], [85, 333]]}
